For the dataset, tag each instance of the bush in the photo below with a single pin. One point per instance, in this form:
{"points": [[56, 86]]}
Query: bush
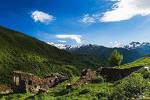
{"points": [[63, 92], [146, 75], [102, 95], [132, 86]]}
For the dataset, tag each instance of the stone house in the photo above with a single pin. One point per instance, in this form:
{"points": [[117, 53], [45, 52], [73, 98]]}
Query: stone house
{"points": [[87, 76], [27, 82], [54, 79]]}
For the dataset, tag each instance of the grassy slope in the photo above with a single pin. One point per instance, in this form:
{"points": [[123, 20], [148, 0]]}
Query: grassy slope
{"points": [[145, 61], [21, 52], [60, 93], [94, 91]]}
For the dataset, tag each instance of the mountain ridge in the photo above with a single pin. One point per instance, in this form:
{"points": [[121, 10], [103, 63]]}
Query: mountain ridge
{"points": [[131, 52]]}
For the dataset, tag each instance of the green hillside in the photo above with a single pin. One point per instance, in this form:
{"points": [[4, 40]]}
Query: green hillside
{"points": [[133, 87], [21, 52], [145, 61], [103, 53]]}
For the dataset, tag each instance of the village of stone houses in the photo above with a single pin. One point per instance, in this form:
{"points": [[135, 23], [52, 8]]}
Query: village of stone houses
{"points": [[27, 82]]}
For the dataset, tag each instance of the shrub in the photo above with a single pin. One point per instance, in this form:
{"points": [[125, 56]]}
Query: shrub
{"points": [[102, 95], [146, 75], [63, 92], [131, 86]]}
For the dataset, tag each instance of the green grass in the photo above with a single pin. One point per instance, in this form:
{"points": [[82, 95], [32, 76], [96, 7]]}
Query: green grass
{"points": [[85, 92], [145, 61], [92, 91]]}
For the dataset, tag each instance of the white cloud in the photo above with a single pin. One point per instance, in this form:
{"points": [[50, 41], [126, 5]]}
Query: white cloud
{"points": [[42, 17], [117, 44], [126, 9], [77, 38], [89, 19]]}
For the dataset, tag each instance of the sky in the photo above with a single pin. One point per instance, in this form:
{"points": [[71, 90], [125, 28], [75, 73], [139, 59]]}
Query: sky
{"points": [[77, 22]]}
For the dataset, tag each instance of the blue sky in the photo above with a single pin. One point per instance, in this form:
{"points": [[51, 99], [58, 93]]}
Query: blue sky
{"points": [[76, 22]]}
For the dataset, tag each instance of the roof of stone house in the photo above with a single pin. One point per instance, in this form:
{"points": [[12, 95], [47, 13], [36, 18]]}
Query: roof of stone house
{"points": [[32, 77], [20, 72]]}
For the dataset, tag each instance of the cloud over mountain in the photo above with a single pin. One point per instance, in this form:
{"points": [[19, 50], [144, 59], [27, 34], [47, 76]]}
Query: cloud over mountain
{"points": [[77, 38]]}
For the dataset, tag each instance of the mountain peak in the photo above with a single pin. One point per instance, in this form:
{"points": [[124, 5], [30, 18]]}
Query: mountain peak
{"points": [[135, 45]]}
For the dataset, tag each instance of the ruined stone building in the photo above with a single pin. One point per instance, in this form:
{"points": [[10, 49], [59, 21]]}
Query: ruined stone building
{"points": [[116, 74], [27, 82], [54, 79], [87, 76]]}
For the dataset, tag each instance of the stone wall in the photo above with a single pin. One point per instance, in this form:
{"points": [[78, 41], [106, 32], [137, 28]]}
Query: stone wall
{"points": [[116, 74]]}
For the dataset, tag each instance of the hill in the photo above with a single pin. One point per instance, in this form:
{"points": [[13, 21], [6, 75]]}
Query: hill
{"points": [[145, 61], [21, 52]]}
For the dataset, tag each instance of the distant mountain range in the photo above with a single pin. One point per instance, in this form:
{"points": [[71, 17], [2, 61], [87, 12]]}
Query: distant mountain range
{"points": [[131, 52], [132, 45], [137, 45]]}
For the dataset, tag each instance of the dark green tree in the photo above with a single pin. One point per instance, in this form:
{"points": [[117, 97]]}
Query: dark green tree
{"points": [[115, 58]]}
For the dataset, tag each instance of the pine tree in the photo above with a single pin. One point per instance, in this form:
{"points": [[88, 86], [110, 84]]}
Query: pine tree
{"points": [[115, 58]]}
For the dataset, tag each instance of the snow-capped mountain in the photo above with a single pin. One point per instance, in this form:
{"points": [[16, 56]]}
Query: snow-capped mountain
{"points": [[137, 45], [63, 46], [131, 52], [132, 45], [60, 46]]}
